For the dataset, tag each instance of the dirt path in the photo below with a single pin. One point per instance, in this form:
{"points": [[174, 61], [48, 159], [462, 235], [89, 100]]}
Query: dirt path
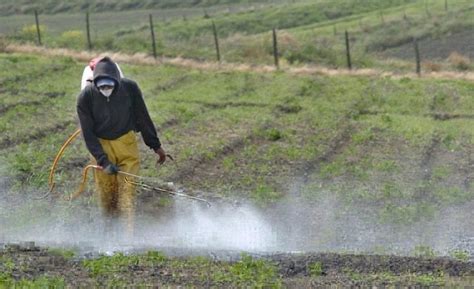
{"points": [[142, 58]]}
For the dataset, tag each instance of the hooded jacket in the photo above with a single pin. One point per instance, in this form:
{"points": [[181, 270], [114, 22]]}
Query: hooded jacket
{"points": [[111, 117]]}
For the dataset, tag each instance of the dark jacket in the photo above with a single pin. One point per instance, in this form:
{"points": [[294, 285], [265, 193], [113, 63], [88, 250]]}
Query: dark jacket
{"points": [[110, 118]]}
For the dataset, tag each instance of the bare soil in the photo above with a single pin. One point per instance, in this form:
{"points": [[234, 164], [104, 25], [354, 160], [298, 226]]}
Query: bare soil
{"points": [[294, 270]]}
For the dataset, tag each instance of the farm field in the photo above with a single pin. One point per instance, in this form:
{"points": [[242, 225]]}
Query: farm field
{"points": [[288, 169], [342, 163]]}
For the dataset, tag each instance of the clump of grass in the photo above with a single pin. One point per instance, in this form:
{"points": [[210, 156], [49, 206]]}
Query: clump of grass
{"points": [[264, 194], [274, 134], [460, 255], [459, 61], [106, 265], [41, 282], [65, 253], [316, 269], [250, 273], [424, 251]]}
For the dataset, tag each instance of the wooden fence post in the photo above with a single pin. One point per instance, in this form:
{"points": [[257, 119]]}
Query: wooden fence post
{"points": [[216, 42], [446, 5], [417, 56], [348, 51], [88, 30], [38, 32], [153, 42], [275, 49]]}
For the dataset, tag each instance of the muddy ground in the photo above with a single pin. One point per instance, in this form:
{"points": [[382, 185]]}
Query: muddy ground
{"points": [[294, 270]]}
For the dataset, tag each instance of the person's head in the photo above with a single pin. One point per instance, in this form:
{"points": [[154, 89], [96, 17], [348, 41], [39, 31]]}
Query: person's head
{"points": [[106, 76]]}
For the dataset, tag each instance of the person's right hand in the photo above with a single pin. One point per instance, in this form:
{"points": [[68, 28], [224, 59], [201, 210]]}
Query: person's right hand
{"points": [[111, 169], [161, 154]]}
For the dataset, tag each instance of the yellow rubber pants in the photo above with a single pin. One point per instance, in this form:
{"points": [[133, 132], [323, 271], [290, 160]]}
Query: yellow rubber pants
{"points": [[117, 198]]}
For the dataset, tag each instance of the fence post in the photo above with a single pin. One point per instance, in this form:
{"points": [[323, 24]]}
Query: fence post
{"points": [[216, 42], [335, 30], [446, 5], [153, 42], [382, 17], [275, 49], [348, 52], [417, 57], [38, 32], [89, 43]]}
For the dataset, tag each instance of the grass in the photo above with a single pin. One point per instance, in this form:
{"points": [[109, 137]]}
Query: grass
{"points": [[247, 272], [54, 6], [316, 269], [41, 282], [371, 141], [430, 280]]}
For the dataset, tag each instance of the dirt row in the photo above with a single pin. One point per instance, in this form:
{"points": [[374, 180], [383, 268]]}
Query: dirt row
{"points": [[39, 134]]}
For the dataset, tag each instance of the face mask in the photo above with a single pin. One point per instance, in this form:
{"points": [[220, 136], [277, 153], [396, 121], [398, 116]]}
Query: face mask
{"points": [[106, 92]]}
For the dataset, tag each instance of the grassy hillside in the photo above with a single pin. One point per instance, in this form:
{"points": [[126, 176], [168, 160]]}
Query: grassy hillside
{"points": [[399, 148], [375, 27], [10, 7]]}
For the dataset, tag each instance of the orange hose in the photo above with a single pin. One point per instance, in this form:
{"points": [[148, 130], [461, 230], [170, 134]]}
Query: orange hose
{"points": [[82, 186], [58, 157]]}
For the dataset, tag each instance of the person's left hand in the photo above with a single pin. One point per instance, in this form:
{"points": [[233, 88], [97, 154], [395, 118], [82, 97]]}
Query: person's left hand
{"points": [[162, 154]]}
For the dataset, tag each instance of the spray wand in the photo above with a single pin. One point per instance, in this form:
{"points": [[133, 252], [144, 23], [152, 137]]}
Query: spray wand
{"points": [[129, 179]]}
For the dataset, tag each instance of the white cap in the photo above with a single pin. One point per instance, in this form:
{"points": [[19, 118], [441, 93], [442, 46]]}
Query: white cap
{"points": [[105, 82]]}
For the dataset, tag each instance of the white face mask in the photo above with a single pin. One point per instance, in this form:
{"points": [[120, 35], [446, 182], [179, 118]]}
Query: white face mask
{"points": [[106, 92]]}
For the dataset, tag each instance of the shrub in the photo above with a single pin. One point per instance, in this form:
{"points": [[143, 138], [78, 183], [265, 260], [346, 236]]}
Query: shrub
{"points": [[459, 61], [29, 33], [72, 39]]}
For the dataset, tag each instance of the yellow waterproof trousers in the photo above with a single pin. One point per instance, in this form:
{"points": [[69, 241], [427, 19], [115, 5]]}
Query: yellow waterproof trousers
{"points": [[117, 198]]}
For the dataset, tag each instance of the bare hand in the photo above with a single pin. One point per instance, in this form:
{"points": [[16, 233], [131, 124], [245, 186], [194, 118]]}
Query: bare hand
{"points": [[161, 153]]}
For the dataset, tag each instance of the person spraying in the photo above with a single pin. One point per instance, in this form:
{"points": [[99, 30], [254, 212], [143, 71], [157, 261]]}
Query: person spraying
{"points": [[111, 110]]}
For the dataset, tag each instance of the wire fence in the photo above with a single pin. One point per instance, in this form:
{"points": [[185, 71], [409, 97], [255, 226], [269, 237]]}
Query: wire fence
{"points": [[345, 37]]}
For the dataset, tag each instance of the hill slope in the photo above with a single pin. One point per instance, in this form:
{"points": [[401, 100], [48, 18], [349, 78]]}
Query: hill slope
{"points": [[10, 7]]}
